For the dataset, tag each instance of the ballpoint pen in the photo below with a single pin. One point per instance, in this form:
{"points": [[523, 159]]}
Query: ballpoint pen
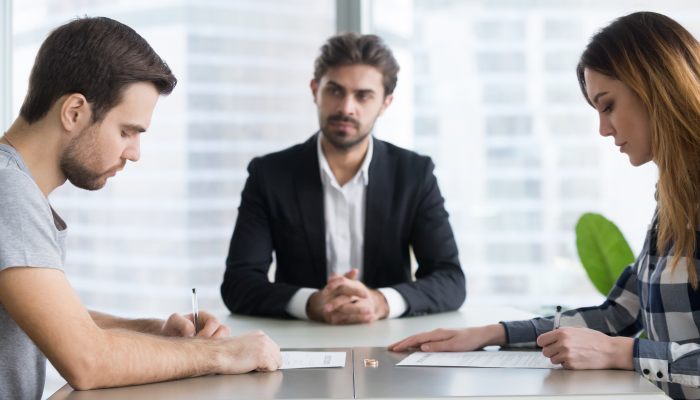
{"points": [[557, 317], [195, 311]]}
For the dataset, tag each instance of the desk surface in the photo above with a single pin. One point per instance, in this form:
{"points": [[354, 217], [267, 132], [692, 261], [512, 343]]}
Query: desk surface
{"points": [[307, 334], [295, 333], [322, 383], [387, 380]]}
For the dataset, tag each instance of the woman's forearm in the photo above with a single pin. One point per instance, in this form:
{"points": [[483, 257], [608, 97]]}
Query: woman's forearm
{"points": [[494, 335]]}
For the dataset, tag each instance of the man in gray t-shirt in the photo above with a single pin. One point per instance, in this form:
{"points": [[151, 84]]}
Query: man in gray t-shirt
{"points": [[92, 91], [31, 234]]}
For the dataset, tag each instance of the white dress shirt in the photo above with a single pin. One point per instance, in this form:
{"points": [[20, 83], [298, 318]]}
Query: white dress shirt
{"points": [[344, 211]]}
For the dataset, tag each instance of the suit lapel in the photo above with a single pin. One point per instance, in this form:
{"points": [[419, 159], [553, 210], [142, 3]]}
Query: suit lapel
{"points": [[309, 193], [380, 192]]}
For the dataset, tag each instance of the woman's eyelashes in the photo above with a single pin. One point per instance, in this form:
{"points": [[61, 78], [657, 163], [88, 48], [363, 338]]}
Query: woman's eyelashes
{"points": [[608, 108]]}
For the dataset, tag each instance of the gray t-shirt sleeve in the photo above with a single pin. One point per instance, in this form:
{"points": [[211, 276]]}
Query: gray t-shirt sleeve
{"points": [[28, 235]]}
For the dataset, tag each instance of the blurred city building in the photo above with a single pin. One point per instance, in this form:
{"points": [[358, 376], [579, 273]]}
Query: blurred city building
{"points": [[487, 89], [163, 225], [497, 106]]}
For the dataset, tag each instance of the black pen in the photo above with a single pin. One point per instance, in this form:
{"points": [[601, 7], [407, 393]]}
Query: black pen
{"points": [[195, 311]]}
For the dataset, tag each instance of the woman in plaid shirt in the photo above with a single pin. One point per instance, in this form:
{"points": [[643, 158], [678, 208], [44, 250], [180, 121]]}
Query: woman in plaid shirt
{"points": [[642, 74]]}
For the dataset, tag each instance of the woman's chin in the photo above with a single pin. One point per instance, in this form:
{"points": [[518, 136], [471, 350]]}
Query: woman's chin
{"points": [[639, 161]]}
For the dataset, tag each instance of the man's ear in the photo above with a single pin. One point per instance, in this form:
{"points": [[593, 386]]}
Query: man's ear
{"points": [[314, 89], [75, 113], [387, 101]]}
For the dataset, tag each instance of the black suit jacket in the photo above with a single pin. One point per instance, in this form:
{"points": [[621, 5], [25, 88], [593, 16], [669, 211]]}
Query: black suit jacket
{"points": [[282, 211]]}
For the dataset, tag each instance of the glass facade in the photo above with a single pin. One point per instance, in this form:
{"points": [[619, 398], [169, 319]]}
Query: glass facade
{"points": [[518, 156], [163, 225], [487, 89]]}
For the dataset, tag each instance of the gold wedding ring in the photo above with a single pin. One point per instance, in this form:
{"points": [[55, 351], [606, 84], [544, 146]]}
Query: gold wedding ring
{"points": [[371, 363]]}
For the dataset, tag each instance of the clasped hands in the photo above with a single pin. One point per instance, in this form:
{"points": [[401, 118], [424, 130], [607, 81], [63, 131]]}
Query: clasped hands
{"points": [[346, 301]]}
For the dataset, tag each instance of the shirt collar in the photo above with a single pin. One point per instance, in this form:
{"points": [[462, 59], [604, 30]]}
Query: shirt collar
{"points": [[326, 173], [18, 158]]}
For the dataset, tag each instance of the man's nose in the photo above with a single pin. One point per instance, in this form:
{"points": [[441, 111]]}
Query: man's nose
{"points": [[348, 106], [133, 149]]}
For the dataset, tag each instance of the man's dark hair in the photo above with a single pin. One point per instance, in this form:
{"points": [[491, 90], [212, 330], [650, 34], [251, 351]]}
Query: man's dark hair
{"points": [[96, 57], [353, 49]]}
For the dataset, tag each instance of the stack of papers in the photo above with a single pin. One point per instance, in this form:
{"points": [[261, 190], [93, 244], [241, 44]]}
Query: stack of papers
{"points": [[480, 359], [312, 359]]}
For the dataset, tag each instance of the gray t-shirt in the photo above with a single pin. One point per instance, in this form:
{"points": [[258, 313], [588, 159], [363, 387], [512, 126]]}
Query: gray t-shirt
{"points": [[31, 235]]}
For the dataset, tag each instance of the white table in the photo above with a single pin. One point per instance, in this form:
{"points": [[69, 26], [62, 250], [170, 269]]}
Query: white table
{"points": [[307, 334], [294, 333]]}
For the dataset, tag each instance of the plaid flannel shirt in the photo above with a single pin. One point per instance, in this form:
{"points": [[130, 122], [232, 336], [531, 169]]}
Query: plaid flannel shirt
{"points": [[645, 297]]}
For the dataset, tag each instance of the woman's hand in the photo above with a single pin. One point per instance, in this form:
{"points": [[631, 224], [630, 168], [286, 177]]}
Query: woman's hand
{"points": [[465, 339], [582, 348]]}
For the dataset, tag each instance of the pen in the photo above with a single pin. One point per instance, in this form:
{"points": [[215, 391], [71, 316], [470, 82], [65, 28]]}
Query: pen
{"points": [[557, 317], [195, 311]]}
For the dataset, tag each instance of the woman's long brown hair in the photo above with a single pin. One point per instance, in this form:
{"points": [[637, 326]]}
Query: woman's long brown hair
{"points": [[660, 61]]}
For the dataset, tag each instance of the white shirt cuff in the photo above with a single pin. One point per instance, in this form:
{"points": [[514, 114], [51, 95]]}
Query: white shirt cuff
{"points": [[397, 304], [297, 304]]}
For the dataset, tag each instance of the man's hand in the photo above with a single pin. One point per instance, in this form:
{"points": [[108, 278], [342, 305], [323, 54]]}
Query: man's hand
{"points": [[251, 351], [345, 300], [583, 348], [176, 326], [465, 339], [183, 326]]}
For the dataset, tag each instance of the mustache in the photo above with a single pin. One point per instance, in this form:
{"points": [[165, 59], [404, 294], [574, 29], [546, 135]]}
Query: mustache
{"points": [[118, 167], [342, 118]]}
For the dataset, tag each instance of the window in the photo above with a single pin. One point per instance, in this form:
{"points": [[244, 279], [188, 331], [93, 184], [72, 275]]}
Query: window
{"points": [[486, 88], [501, 62], [514, 222], [500, 30], [561, 61], [516, 147], [570, 125], [138, 246], [504, 157], [513, 189], [164, 225], [577, 189], [578, 157], [514, 253], [563, 93], [508, 125], [564, 29], [501, 93]]}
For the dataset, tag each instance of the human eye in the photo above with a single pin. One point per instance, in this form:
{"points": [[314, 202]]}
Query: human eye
{"points": [[364, 96], [608, 108], [125, 135]]}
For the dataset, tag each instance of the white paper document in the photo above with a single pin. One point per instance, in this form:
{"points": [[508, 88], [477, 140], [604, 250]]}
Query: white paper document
{"points": [[312, 359], [480, 359]]}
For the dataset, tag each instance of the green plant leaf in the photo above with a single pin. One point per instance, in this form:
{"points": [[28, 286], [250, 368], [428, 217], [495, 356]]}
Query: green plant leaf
{"points": [[603, 250]]}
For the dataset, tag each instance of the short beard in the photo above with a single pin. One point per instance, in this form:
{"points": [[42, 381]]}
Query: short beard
{"points": [[343, 146], [78, 165]]}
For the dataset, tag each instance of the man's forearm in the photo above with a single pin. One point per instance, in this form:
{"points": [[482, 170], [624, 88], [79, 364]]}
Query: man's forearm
{"points": [[152, 326], [121, 358]]}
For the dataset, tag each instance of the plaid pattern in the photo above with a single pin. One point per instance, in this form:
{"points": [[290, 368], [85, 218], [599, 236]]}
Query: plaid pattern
{"points": [[646, 297]]}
